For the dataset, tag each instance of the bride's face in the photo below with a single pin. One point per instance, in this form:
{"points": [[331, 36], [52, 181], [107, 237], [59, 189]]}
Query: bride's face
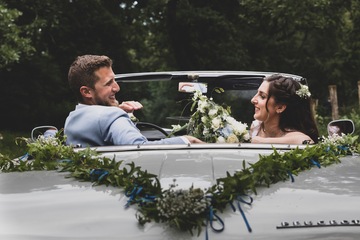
{"points": [[260, 101]]}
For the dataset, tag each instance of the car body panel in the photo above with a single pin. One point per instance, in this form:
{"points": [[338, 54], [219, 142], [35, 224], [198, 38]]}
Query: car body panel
{"points": [[47, 205]]}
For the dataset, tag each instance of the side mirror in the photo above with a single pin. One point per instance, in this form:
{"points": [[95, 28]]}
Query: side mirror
{"points": [[190, 87], [338, 127]]}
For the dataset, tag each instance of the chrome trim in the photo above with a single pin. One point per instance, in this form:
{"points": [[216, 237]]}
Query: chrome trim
{"points": [[165, 147], [309, 224]]}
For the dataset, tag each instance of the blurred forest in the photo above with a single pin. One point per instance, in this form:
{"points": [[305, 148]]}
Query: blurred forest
{"points": [[39, 39]]}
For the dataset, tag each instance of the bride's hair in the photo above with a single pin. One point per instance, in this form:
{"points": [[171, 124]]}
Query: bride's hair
{"points": [[297, 115]]}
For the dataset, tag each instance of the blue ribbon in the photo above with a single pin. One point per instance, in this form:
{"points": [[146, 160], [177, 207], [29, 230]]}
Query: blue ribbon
{"points": [[132, 195], [64, 161], [339, 147], [344, 148], [242, 200], [147, 198], [315, 163], [24, 157], [291, 176], [213, 216], [135, 192], [98, 174]]}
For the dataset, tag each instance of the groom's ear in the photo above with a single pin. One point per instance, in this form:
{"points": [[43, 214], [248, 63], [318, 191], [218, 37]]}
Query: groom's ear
{"points": [[86, 92]]}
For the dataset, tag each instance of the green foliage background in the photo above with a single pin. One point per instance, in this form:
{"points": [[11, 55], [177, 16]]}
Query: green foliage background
{"points": [[317, 39], [8, 145]]}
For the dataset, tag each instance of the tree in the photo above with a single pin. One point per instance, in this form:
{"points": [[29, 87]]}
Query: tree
{"points": [[15, 42], [62, 30], [317, 39]]}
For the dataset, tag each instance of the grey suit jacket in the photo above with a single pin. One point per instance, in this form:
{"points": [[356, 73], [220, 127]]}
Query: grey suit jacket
{"points": [[94, 125]]}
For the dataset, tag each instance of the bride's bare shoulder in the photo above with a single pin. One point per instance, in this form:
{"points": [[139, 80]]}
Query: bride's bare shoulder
{"points": [[297, 137]]}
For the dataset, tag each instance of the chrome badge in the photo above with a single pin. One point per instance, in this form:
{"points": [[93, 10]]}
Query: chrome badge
{"points": [[308, 224]]}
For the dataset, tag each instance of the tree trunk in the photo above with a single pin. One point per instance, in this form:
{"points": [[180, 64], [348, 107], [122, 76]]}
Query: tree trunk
{"points": [[359, 92], [334, 102]]}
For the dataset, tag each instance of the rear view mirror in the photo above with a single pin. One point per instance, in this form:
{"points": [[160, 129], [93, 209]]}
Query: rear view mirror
{"points": [[341, 126], [190, 87]]}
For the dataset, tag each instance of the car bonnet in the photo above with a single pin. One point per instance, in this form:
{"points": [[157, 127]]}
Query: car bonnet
{"points": [[47, 205]]}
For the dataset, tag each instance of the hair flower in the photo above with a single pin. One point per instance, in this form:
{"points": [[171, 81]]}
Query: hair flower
{"points": [[303, 91]]}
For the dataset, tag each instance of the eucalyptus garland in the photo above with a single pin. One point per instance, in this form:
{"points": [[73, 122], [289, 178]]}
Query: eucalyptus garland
{"points": [[185, 209]]}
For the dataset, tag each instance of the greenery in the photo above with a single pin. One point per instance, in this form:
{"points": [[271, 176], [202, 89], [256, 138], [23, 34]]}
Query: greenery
{"points": [[317, 39], [213, 123], [13, 45], [354, 115], [9, 146], [187, 210]]}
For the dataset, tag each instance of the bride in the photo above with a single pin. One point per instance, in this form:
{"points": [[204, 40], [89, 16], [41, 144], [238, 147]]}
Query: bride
{"points": [[282, 113]]}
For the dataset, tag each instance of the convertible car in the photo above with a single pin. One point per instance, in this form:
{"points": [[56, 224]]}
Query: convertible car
{"points": [[320, 201]]}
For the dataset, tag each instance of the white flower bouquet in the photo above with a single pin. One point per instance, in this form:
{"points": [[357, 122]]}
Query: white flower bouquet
{"points": [[213, 123]]}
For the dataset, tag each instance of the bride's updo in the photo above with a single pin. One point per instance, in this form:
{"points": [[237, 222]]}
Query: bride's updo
{"points": [[297, 115]]}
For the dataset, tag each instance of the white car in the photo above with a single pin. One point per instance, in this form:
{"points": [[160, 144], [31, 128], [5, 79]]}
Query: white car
{"points": [[318, 203]]}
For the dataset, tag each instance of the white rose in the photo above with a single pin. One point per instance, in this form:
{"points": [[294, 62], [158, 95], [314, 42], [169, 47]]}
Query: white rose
{"points": [[203, 98], [213, 112], [197, 94], [215, 123], [202, 105], [246, 136], [231, 120], [232, 139], [204, 119], [240, 128], [220, 140], [176, 127], [205, 131]]}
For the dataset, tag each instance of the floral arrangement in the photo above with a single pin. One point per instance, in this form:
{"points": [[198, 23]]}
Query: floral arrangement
{"points": [[341, 144], [213, 123], [303, 91], [184, 209]]}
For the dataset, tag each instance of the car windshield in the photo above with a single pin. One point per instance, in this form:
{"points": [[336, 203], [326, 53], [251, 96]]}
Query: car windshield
{"points": [[165, 106]]}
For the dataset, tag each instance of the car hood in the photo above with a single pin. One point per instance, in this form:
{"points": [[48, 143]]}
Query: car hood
{"points": [[48, 205]]}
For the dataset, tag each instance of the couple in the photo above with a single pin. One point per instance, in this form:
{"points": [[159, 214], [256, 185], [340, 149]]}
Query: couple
{"points": [[100, 120]]}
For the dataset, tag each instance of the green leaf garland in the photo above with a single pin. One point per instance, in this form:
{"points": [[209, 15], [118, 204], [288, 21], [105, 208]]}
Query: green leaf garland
{"points": [[165, 205]]}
